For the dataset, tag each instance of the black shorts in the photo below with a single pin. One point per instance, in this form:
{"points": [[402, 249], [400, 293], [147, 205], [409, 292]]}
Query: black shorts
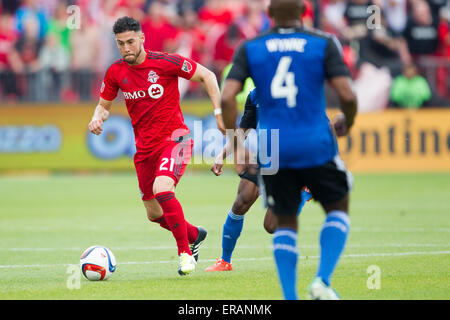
{"points": [[250, 177], [328, 183]]}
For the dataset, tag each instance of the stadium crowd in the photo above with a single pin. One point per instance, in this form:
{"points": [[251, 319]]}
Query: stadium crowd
{"points": [[58, 50]]}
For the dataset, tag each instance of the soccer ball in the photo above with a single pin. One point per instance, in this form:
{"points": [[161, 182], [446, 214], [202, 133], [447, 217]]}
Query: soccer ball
{"points": [[97, 263]]}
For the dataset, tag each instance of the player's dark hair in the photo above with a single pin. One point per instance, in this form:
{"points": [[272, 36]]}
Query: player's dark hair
{"points": [[286, 10], [125, 24]]}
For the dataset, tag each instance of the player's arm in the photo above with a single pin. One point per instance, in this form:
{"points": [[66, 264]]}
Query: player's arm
{"points": [[348, 104], [229, 104], [108, 93], [101, 114], [248, 121], [230, 111], [233, 85], [339, 77], [217, 166], [209, 81]]}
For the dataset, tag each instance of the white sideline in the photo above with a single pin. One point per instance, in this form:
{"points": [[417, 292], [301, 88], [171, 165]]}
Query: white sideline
{"points": [[388, 254], [302, 229], [310, 246]]}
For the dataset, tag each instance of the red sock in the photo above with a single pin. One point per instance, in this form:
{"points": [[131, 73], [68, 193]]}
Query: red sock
{"points": [[173, 215], [162, 222], [192, 231]]}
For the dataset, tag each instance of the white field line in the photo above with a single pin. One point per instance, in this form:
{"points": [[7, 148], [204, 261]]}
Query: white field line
{"points": [[305, 246], [364, 255], [304, 229]]}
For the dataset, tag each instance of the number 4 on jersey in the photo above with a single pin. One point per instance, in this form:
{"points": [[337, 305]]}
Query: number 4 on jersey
{"points": [[283, 83]]}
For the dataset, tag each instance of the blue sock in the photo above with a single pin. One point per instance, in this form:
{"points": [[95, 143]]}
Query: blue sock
{"points": [[306, 196], [332, 242], [285, 252], [231, 232]]}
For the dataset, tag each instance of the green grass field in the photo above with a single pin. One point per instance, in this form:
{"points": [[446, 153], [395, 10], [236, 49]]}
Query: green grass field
{"points": [[400, 223]]}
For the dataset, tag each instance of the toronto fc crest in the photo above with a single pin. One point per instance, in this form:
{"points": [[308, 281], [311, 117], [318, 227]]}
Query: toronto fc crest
{"points": [[152, 76]]}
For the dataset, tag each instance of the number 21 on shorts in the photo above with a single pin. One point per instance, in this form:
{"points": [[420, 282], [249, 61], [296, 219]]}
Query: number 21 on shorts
{"points": [[165, 162], [283, 83]]}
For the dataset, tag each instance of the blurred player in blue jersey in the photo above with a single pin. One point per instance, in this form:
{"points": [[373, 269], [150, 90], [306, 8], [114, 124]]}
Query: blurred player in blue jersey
{"points": [[289, 66], [248, 192]]}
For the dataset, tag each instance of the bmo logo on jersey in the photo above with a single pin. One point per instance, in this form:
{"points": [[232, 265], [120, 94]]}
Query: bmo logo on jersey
{"points": [[155, 91], [134, 95]]}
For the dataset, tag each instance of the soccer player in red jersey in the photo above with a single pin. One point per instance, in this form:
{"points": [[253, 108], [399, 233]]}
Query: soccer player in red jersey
{"points": [[149, 82]]}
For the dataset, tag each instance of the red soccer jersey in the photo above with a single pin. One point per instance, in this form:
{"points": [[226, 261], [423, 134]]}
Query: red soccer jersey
{"points": [[151, 96]]}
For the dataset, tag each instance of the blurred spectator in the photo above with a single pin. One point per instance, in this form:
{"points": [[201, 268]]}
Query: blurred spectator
{"points": [[443, 84], [190, 40], [436, 6], [386, 48], [57, 25], [190, 37], [48, 6], [421, 31], [134, 8], [254, 19], [55, 56], [215, 12], [334, 21], [236, 8], [54, 60], [396, 14], [356, 15], [308, 15], [190, 4], [109, 14], [30, 9], [214, 18], [333, 16], [355, 31], [159, 33], [225, 46], [9, 6], [372, 88], [10, 62], [85, 43], [410, 90], [29, 46]]}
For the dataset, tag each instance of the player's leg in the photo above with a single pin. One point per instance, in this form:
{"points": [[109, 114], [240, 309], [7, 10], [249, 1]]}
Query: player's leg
{"points": [[155, 214], [331, 185], [333, 237], [270, 221], [170, 168], [146, 171], [246, 196], [282, 195], [232, 228], [164, 188]]}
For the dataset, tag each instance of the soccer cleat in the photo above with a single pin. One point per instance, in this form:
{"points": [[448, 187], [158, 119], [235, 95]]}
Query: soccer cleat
{"points": [[187, 264], [200, 238], [318, 290], [220, 265]]}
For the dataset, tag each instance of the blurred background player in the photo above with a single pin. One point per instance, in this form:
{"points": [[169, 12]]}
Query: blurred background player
{"points": [[289, 66], [248, 192], [149, 82]]}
